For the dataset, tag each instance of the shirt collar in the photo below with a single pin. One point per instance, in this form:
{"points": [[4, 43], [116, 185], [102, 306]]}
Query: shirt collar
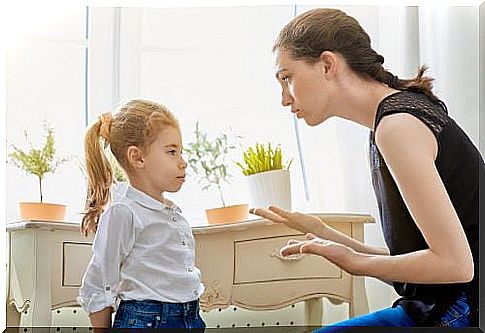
{"points": [[147, 201]]}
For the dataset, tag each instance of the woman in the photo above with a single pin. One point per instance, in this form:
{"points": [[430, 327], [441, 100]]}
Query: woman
{"points": [[425, 173]]}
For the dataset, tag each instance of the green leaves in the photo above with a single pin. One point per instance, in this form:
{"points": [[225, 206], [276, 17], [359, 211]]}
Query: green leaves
{"points": [[207, 158], [261, 158], [37, 161]]}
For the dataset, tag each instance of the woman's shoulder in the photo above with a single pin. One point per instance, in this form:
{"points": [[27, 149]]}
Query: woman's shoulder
{"points": [[432, 113]]}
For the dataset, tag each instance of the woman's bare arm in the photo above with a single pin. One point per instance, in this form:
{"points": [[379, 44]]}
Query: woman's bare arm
{"points": [[409, 149], [315, 225]]}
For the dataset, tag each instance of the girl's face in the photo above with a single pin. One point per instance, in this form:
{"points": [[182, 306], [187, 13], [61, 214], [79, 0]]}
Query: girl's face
{"points": [[305, 88], [164, 164]]}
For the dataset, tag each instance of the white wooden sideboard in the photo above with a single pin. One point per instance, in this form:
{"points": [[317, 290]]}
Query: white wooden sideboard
{"points": [[240, 264]]}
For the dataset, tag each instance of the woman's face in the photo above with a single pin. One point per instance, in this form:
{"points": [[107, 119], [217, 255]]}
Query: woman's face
{"points": [[305, 88]]}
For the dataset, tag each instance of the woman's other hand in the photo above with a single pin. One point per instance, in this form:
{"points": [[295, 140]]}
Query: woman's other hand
{"points": [[339, 254]]}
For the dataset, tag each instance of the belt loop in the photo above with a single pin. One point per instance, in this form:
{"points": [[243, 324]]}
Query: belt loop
{"points": [[186, 308]]}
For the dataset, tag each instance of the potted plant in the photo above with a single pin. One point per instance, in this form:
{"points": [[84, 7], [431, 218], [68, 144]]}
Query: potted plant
{"points": [[268, 179], [39, 162], [208, 160]]}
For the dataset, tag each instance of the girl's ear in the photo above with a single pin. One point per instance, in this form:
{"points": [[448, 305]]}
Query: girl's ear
{"points": [[329, 61], [135, 157]]}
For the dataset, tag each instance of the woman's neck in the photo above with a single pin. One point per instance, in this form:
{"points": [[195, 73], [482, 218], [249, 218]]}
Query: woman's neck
{"points": [[362, 97]]}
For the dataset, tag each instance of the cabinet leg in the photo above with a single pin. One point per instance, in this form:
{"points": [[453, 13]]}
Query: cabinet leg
{"points": [[13, 316], [358, 304], [314, 312]]}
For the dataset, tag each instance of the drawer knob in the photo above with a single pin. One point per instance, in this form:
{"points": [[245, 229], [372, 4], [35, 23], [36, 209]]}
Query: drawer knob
{"points": [[292, 257]]}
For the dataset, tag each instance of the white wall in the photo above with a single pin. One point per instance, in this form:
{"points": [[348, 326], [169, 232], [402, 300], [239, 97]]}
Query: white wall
{"points": [[45, 82]]}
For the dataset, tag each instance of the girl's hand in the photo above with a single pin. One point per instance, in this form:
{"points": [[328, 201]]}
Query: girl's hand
{"points": [[295, 220], [339, 254]]}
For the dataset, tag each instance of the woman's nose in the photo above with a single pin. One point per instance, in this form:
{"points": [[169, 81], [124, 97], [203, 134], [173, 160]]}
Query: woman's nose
{"points": [[286, 99]]}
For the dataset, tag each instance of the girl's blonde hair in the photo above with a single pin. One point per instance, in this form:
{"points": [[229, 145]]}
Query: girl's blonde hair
{"points": [[136, 123]]}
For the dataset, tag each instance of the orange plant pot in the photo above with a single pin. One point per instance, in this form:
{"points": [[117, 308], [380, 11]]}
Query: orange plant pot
{"points": [[42, 211], [228, 214]]}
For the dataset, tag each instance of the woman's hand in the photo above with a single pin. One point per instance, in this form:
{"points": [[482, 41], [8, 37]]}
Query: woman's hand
{"points": [[339, 254], [295, 220]]}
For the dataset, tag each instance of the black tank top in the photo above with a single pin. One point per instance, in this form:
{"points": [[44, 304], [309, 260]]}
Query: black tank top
{"points": [[460, 166]]}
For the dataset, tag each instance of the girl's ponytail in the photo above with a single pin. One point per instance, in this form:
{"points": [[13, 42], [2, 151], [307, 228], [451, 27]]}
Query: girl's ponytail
{"points": [[99, 173]]}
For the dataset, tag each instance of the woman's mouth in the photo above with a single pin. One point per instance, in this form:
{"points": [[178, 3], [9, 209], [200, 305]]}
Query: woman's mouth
{"points": [[297, 113]]}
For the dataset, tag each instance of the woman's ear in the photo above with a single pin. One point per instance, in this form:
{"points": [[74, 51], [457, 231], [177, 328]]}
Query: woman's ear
{"points": [[134, 156], [329, 62]]}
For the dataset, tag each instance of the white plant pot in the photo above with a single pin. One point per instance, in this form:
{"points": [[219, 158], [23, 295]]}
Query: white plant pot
{"points": [[270, 188]]}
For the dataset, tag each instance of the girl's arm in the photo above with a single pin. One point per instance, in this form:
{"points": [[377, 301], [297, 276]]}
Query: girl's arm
{"points": [[101, 319], [114, 240]]}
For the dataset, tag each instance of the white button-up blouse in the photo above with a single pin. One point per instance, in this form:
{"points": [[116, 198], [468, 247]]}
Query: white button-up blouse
{"points": [[143, 250]]}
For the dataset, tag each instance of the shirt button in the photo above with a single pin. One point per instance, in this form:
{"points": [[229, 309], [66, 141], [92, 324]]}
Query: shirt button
{"points": [[158, 317], [190, 269], [196, 292], [173, 218], [183, 242]]}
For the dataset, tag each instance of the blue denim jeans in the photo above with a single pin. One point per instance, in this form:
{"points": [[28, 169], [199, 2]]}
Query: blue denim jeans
{"points": [[455, 316], [155, 314]]}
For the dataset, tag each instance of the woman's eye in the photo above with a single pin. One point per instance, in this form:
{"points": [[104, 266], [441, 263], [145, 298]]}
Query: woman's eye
{"points": [[173, 152], [286, 79]]}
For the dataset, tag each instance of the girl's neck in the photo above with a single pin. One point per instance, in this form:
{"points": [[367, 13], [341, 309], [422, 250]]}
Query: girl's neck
{"points": [[148, 190]]}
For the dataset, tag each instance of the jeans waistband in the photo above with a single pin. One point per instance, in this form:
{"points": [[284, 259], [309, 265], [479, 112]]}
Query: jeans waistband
{"points": [[154, 305]]}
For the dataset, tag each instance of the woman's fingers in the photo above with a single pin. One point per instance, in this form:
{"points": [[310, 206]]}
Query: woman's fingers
{"points": [[280, 211], [267, 214], [314, 245], [293, 241], [290, 249]]}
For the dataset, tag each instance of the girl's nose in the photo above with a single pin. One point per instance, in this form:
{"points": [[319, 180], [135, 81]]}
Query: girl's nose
{"points": [[183, 164]]}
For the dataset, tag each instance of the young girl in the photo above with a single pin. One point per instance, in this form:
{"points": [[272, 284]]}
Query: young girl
{"points": [[425, 172], [143, 262]]}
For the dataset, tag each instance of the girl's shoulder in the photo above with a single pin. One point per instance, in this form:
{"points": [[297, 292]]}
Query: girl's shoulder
{"points": [[118, 211]]}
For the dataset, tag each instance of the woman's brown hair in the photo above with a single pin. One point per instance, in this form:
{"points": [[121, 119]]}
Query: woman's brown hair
{"points": [[136, 123], [324, 29]]}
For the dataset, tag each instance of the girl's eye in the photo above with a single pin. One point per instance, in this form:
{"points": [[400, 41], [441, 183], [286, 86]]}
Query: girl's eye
{"points": [[173, 152], [286, 79]]}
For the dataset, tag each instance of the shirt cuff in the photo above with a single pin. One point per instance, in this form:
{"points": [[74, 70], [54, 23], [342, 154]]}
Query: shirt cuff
{"points": [[97, 302]]}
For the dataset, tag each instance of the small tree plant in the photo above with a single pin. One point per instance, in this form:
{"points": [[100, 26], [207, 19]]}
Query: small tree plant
{"points": [[261, 158], [208, 159], [37, 161]]}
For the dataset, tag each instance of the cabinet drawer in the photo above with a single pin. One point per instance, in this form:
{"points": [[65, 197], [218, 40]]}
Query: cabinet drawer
{"points": [[259, 260], [76, 257]]}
